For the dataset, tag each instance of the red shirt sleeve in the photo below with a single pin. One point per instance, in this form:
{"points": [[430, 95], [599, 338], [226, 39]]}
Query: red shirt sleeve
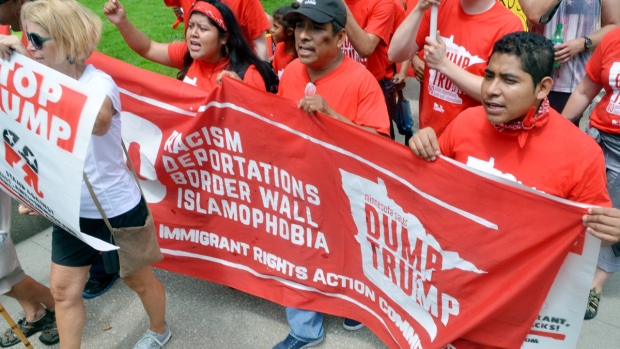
{"points": [[592, 188], [253, 78], [446, 140], [372, 109], [399, 14], [176, 52], [381, 20]]}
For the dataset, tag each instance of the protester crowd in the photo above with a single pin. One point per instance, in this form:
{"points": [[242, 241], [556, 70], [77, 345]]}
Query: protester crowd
{"points": [[489, 90]]}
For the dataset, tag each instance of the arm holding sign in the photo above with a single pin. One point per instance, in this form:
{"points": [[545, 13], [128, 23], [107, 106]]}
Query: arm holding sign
{"points": [[23, 209], [436, 58], [10, 44], [316, 103], [424, 144], [403, 45]]}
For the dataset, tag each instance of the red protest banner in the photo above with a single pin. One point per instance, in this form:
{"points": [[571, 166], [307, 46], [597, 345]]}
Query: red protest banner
{"points": [[248, 191]]}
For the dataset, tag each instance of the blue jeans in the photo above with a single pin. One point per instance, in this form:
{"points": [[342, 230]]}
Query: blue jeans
{"points": [[306, 325]]}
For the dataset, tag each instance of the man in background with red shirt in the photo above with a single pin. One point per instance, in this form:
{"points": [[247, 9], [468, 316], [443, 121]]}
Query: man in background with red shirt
{"points": [[325, 80], [455, 61], [517, 136], [370, 25]]}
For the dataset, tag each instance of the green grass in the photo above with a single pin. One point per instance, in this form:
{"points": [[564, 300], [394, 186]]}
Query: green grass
{"points": [[153, 18]]}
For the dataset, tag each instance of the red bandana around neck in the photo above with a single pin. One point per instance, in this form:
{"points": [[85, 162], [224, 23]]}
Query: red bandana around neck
{"points": [[534, 118]]}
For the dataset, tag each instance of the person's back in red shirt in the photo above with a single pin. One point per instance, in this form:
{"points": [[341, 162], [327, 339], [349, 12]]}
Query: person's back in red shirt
{"points": [[374, 17]]}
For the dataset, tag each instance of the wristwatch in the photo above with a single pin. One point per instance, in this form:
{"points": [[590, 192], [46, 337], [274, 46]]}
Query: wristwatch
{"points": [[588, 43]]}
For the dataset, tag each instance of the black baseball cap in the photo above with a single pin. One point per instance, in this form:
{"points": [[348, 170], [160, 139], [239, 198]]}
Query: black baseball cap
{"points": [[322, 11]]}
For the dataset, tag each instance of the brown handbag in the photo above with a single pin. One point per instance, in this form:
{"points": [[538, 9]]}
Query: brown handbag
{"points": [[138, 245]]}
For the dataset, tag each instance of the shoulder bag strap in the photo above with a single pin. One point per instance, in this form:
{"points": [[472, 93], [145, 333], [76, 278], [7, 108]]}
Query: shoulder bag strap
{"points": [[98, 204], [92, 194], [135, 176], [547, 16]]}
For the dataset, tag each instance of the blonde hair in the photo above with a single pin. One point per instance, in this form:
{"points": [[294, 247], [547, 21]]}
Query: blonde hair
{"points": [[75, 29]]}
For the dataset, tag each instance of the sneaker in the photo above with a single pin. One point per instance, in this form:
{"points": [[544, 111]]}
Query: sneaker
{"points": [[593, 301], [351, 325], [152, 340], [291, 342], [97, 287]]}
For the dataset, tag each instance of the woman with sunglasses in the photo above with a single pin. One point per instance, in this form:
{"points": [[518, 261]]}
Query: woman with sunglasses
{"points": [[214, 47], [62, 34]]}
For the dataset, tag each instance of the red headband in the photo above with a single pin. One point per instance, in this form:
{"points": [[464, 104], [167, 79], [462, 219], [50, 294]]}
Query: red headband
{"points": [[210, 11]]}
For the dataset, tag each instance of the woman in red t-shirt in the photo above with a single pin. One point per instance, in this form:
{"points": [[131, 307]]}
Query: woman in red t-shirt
{"points": [[602, 71], [214, 47]]}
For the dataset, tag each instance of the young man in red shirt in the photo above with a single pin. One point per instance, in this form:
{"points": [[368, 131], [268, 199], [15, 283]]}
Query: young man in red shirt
{"points": [[324, 80], [516, 135], [455, 61], [517, 131]]}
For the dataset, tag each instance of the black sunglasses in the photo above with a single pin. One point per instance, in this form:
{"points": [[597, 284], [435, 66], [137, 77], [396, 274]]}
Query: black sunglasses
{"points": [[36, 40]]}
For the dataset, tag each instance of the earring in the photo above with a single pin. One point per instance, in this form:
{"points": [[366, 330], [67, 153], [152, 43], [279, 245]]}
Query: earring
{"points": [[70, 60]]}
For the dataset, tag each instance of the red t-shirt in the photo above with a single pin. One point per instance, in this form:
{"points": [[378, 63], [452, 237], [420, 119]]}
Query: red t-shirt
{"points": [[249, 13], [281, 59], [604, 69], [375, 17], [204, 74], [399, 15], [469, 42], [411, 4], [349, 89], [556, 157]]}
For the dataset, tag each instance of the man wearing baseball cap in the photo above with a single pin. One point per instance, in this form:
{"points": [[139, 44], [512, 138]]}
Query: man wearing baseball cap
{"points": [[326, 81]]}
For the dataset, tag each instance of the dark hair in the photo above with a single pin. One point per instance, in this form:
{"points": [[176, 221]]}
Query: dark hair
{"points": [[280, 16], [237, 49], [535, 52], [336, 27]]}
